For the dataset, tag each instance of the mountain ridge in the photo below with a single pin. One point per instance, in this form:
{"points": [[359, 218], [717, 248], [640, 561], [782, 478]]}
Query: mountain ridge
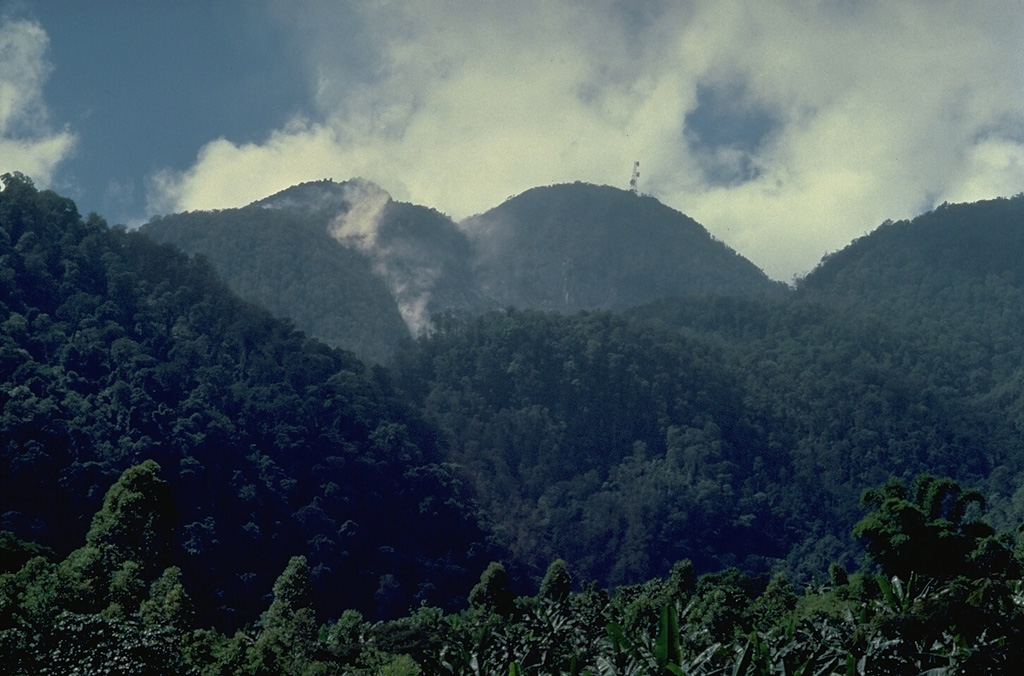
{"points": [[728, 430], [564, 247], [598, 247]]}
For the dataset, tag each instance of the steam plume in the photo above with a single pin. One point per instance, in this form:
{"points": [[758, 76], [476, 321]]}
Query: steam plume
{"points": [[360, 228]]}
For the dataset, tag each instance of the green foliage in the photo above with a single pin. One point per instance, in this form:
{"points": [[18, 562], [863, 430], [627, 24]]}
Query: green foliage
{"points": [[114, 350], [168, 604], [137, 516], [720, 623], [775, 604], [567, 426], [14, 552], [557, 582], [735, 434], [924, 531], [667, 650], [128, 543], [287, 641], [288, 263], [491, 594], [576, 246], [103, 609]]}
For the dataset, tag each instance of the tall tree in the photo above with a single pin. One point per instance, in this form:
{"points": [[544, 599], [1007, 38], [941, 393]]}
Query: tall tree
{"points": [[924, 530]]}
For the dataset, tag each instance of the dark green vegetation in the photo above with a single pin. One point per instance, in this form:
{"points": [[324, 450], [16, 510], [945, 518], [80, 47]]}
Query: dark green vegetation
{"points": [[113, 606], [741, 431], [114, 350], [616, 446], [735, 433], [284, 261], [346, 262], [579, 246]]}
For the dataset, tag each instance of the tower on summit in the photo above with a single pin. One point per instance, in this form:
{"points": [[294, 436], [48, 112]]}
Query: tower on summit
{"points": [[634, 182]]}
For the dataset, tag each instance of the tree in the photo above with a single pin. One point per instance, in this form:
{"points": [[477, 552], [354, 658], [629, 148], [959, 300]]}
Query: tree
{"points": [[924, 531], [168, 605], [491, 593], [557, 582], [287, 641], [128, 543], [91, 613], [14, 552]]}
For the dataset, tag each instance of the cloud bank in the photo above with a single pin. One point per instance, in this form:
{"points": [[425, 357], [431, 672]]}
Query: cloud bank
{"points": [[28, 143], [787, 127]]}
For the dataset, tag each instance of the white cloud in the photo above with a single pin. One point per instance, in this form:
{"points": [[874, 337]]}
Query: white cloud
{"points": [[881, 109], [27, 142]]}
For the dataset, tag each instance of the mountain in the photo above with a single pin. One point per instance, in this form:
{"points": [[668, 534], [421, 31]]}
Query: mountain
{"points": [[279, 254], [954, 244], [898, 354], [953, 279], [115, 350], [581, 246], [730, 430], [346, 262], [420, 254]]}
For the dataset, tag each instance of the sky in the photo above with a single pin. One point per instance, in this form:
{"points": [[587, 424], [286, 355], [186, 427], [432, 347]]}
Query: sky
{"points": [[787, 128]]}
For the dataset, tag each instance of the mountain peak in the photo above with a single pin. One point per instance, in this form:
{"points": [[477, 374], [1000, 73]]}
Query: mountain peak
{"points": [[578, 246], [561, 248], [963, 241], [324, 197]]}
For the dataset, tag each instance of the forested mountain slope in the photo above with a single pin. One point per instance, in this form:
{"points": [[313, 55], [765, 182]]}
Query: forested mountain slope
{"points": [[324, 253], [727, 431], [945, 598], [347, 263], [419, 253], [909, 260], [115, 350], [952, 282], [918, 321], [581, 246], [284, 259]]}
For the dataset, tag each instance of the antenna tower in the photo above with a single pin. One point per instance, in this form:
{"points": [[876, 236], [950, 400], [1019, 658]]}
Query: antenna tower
{"points": [[634, 183]]}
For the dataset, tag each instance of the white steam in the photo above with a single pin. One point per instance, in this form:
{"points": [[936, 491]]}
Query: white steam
{"points": [[360, 228]]}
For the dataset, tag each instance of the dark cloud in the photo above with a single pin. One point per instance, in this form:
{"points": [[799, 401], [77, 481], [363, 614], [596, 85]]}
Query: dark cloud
{"points": [[726, 131]]}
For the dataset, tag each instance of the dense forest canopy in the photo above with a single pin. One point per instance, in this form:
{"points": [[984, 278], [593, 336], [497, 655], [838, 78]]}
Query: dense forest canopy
{"points": [[116, 350], [586, 247], [283, 261], [946, 599], [728, 431], [346, 262], [669, 486]]}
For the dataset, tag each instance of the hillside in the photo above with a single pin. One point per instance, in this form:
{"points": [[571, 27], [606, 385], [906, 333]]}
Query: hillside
{"points": [[726, 430], [951, 280], [581, 246], [115, 350], [955, 241], [345, 261], [278, 254], [931, 310]]}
